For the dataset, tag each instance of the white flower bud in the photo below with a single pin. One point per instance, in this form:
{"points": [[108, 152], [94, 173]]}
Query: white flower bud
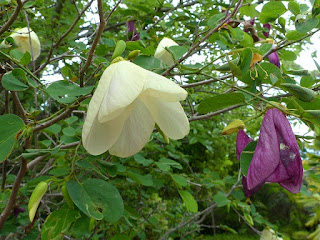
{"points": [[162, 54]]}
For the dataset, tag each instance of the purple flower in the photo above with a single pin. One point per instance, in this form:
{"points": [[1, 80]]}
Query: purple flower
{"points": [[132, 32], [267, 27], [276, 158], [274, 59], [17, 211]]}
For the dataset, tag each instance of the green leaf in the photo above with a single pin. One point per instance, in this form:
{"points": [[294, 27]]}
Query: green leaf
{"points": [[178, 51], [10, 126], [271, 11], [16, 54], [58, 222], [71, 120], [140, 159], [245, 59], [11, 81], [237, 33], [148, 62], [26, 58], [306, 81], [316, 8], [249, 10], [189, 201], [215, 19], [235, 70], [145, 180], [119, 49], [69, 131], [221, 199], [302, 93], [54, 129], [294, 8], [304, 26], [287, 55], [247, 41], [219, 102], [294, 35], [246, 157], [180, 180], [97, 199]]}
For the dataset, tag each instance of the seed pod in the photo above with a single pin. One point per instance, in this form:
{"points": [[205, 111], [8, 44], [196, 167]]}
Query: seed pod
{"points": [[302, 93], [66, 196], [233, 127], [35, 198]]}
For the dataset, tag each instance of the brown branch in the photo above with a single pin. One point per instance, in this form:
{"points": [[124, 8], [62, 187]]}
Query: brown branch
{"points": [[205, 81], [21, 111], [100, 30], [209, 115], [13, 17], [12, 199], [193, 49], [54, 46]]}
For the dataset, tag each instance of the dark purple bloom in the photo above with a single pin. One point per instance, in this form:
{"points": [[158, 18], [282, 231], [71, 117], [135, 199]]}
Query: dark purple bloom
{"points": [[18, 210], [274, 59], [132, 32], [276, 158], [267, 27]]}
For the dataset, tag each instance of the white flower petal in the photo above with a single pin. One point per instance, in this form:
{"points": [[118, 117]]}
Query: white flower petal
{"points": [[135, 133], [21, 38], [126, 83], [162, 54], [161, 87], [169, 116], [98, 137]]}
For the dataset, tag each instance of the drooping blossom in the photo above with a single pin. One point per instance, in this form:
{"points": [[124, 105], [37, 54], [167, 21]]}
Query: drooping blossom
{"points": [[267, 27], [276, 157], [21, 39], [127, 103], [274, 59], [17, 211], [162, 54], [132, 33]]}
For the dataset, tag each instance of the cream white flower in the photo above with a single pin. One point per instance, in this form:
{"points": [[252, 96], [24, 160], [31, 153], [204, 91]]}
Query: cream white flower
{"points": [[127, 103], [269, 234], [21, 39], [162, 54]]}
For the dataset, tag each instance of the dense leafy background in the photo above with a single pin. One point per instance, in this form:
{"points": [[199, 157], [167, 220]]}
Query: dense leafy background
{"points": [[183, 190]]}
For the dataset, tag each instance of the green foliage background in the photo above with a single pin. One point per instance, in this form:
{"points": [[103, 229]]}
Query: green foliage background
{"points": [[189, 188]]}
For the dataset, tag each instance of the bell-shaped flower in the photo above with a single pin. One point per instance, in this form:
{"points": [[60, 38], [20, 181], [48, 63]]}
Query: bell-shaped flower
{"points": [[162, 54], [127, 103], [274, 59], [21, 39], [277, 157], [132, 33]]}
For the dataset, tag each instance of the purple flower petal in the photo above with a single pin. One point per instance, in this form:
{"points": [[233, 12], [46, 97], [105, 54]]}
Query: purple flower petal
{"points": [[242, 141], [274, 59], [133, 34], [249, 192], [268, 27], [277, 157]]}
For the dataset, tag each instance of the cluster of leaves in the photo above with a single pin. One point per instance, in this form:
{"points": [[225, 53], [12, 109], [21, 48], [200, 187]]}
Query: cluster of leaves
{"points": [[183, 189]]}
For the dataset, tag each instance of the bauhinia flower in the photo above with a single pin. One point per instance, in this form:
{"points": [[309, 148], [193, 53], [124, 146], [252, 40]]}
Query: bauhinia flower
{"points": [[267, 28], [132, 33], [276, 157], [21, 39], [127, 103], [162, 54], [274, 59]]}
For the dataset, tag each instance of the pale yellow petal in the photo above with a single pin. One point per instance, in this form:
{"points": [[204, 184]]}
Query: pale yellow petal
{"points": [[169, 116], [161, 87], [162, 54], [126, 83], [135, 132], [21, 39], [98, 137]]}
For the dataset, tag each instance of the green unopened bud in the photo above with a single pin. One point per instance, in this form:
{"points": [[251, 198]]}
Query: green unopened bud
{"points": [[132, 55], [117, 59], [233, 127], [66, 196], [302, 93], [35, 198], [120, 47]]}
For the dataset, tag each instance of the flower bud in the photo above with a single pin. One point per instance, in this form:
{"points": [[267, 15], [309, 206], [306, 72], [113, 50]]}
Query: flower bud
{"points": [[35, 198], [233, 127], [274, 59], [21, 39], [162, 54]]}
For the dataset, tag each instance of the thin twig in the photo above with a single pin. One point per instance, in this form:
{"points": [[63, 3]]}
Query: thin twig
{"points": [[13, 17], [21, 111]]}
